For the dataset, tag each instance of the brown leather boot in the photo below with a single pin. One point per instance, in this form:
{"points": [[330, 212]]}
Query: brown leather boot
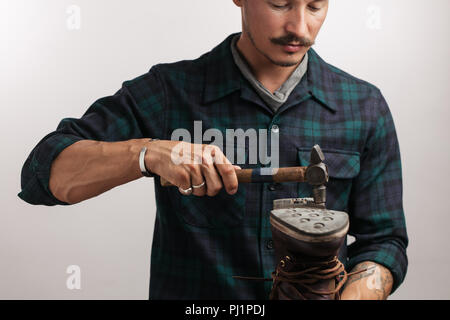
{"points": [[307, 239]]}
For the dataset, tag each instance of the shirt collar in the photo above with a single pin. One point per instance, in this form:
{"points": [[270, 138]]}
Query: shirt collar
{"points": [[223, 76], [322, 81]]}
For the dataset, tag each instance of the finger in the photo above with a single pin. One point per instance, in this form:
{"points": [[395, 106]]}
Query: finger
{"points": [[197, 180], [184, 182], [212, 178], [227, 172]]}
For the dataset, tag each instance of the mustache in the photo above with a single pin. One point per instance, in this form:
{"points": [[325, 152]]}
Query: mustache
{"points": [[292, 38]]}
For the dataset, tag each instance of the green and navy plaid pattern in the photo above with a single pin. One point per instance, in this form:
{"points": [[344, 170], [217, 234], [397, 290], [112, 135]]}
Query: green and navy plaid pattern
{"points": [[200, 243]]}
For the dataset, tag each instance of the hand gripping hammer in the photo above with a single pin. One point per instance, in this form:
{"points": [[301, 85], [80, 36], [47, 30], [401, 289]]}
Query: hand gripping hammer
{"points": [[316, 174]]}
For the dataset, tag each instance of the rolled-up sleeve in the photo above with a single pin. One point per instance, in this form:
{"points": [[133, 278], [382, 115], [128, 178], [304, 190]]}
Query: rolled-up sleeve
{"points": [[135, 111], [377, 219]]}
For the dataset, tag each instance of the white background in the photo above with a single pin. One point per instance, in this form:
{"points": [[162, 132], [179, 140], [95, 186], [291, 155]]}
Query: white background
{"points": [[51, 69]]}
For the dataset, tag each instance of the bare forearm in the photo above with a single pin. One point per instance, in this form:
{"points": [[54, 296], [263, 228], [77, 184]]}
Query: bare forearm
{"points": [[88, 168], [373, 284]]}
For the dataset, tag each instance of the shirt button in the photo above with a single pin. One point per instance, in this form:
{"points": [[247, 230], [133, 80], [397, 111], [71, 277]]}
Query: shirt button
{"points": [[275, 128], [269, 244]]}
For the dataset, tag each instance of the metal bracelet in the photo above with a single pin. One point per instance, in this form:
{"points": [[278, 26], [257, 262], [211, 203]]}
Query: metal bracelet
{"points": [[142, 166]]}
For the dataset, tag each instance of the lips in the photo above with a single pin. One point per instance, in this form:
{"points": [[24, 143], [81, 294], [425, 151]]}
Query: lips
{"points": [[292, 48]]}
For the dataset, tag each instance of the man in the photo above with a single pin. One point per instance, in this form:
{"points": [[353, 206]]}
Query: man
{"points": [[210, 228]]}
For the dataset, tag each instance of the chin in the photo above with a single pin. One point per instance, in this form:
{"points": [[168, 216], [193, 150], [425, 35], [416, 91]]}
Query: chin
{"points": [[288, 59], [283, 62], [286, 64]]}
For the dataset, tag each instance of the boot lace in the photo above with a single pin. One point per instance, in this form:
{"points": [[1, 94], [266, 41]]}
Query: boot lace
{"points": [[311, 274]]}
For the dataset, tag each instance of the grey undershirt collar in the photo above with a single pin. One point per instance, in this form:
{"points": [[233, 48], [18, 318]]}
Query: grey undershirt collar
{"points": [[280, 96]]}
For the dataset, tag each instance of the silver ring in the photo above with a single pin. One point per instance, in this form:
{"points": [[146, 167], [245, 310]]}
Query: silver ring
{"points": [[186, 192], [199, 186]]}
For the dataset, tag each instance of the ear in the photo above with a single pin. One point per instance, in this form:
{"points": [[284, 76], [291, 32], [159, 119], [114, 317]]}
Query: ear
{"points": [[238, 2]]}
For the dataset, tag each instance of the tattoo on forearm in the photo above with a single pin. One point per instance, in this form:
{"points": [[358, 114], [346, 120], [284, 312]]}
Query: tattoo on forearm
{"points": [[376, 280]]}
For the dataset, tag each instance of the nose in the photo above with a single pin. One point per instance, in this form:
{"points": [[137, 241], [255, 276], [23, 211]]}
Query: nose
{"points": [[297, 23]]}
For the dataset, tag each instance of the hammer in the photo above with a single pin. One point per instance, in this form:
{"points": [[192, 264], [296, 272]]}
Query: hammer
{"points": [[316, 174]]}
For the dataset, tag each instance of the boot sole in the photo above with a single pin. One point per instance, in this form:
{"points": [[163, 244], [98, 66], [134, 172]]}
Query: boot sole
{"points": [[296, 203], [310, 224]]}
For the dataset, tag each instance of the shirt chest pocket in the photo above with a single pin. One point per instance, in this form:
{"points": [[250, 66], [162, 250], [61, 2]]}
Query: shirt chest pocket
{"points": [[343, 167]]}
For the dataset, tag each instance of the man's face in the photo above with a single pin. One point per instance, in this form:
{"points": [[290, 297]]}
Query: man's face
{"points": [[282, 30]]}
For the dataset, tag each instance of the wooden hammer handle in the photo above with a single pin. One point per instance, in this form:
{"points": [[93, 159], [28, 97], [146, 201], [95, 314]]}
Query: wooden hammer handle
{"points": [[288, 174]]}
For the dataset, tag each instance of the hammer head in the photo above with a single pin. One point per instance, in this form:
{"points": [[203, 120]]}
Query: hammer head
{"points": [[317, 171], [316, 155], [317, 175]]}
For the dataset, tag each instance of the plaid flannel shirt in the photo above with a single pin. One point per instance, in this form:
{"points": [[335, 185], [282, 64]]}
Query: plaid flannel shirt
{"points": [[199, 243]]}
